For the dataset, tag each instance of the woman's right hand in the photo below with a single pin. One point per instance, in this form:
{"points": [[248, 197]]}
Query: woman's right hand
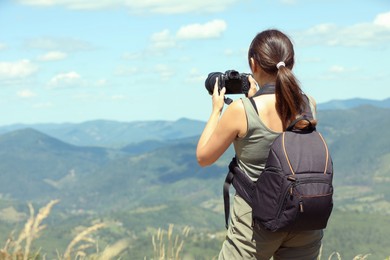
{"points": [[253, 86]]}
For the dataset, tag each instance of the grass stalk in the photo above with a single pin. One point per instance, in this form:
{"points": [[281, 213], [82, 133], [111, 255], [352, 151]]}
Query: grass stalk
{"points": [[83, 236]]}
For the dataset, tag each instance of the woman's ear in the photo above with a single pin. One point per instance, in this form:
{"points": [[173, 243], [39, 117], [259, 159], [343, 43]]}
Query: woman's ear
{"points": [[253, 65]]}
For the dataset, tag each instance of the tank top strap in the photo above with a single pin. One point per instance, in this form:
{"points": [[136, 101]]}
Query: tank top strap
{"points": [[251, 114]]}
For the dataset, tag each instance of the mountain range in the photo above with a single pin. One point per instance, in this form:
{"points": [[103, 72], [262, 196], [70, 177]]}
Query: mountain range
{"points": [[113, 133], [106, 133], [153, 156], [145, 174], [352, 103]]}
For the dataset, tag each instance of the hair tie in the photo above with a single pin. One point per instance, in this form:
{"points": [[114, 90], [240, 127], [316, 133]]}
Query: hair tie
{"points": [[281, 63]]}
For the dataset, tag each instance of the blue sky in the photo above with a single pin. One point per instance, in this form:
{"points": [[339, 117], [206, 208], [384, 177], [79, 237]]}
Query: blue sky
{"points": [[131, 60]]}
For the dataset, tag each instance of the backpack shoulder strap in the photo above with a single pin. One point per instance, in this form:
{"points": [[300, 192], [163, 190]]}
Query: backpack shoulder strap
{"points": [[306, 114], [226, 196], [243, 185]]}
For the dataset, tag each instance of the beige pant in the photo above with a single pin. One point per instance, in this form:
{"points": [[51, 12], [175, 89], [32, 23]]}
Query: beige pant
{"points": [[244, 242]]}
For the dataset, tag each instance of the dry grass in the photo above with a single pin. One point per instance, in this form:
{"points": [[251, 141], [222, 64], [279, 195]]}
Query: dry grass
{"points": [[361, 257], [32, 230], [336, 255], [83, 241], [113, 251], [20, 249], [166, 246]]}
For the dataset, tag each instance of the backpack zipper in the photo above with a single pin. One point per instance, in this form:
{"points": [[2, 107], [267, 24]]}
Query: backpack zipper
{"points": [[287, 192], [290, 191]]}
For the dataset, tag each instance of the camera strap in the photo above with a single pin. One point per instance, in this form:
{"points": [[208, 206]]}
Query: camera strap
{"points": [[264, 90]]}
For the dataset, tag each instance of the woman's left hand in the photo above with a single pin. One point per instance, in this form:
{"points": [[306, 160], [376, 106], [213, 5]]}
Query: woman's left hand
{"points": [[218, 98]]}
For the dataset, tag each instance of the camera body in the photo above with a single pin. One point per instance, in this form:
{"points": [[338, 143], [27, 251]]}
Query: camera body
{"points": [[232, 80]]}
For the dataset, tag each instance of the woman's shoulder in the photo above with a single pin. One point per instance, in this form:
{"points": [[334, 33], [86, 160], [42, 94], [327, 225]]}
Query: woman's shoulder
{"points": [[236, 106], [311, 99], [241, 106], [235, 116]]}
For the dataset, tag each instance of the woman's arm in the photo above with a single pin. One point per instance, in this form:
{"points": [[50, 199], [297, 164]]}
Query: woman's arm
{"points": [[219, 133], [313, 106]]}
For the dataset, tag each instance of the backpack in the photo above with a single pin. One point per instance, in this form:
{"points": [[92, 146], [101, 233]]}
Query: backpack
{"points": [[294, 192]]}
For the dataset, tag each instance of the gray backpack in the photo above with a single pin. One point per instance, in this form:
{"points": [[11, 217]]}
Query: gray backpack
{"points": [[294, 192]]}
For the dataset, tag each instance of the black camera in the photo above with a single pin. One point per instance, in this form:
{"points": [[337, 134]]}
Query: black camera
{"points": [[232, 80]]}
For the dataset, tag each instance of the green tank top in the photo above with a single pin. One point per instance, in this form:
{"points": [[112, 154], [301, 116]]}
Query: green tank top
{"points": [[252, 149]]}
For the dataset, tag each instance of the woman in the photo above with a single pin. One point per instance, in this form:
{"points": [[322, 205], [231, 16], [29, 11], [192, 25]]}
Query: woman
{"points": [[252, 129]]}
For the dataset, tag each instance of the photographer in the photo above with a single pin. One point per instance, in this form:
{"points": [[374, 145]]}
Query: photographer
{"points": [[252, 128]]}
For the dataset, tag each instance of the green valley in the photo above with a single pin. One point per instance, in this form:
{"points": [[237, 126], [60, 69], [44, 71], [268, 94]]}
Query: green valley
{"points": [[140, 186]]}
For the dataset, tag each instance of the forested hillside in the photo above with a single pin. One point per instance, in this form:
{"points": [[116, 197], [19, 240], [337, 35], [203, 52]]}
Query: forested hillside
{"points": [[154, 182]]}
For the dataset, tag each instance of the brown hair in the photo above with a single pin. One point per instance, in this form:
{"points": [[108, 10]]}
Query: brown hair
{"points": [[269, 48]]}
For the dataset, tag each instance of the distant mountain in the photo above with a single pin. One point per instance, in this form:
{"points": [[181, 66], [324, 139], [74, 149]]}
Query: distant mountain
{"points": [[35, 166], [352, 103], [114, 133], [360, 141], [155, 179]]}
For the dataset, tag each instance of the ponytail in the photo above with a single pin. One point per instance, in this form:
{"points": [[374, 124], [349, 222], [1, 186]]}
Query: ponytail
{"points": [[274, 53], [289, 100]]}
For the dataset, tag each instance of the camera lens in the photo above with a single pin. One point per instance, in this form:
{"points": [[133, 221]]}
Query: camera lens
{"points": [[210, 81]]}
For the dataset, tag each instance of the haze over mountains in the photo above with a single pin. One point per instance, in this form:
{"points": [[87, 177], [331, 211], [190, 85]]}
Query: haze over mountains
{"points": [[116, 134], [355, 102], [93, 161], [145, 174]]}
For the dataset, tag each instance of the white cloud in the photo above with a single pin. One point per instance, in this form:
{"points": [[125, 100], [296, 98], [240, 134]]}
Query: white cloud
{"points": [[101, 83], [2, 46], [55, 44], [98, 97], [322, 29], [26, 93], [243, 52], [179, 6], [165, 72], [73, 79], [132, 55], [288, 2], [37, 2], [118, 97], [337, 69], [195, 76], [383, 20], [74, 4], [70, 79], [362, 34], [162, 40], [212, 29], [229, 52], [17, 69], [139, 6], [166, 40], [85, 96], [53, 56], [126, 71]]}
